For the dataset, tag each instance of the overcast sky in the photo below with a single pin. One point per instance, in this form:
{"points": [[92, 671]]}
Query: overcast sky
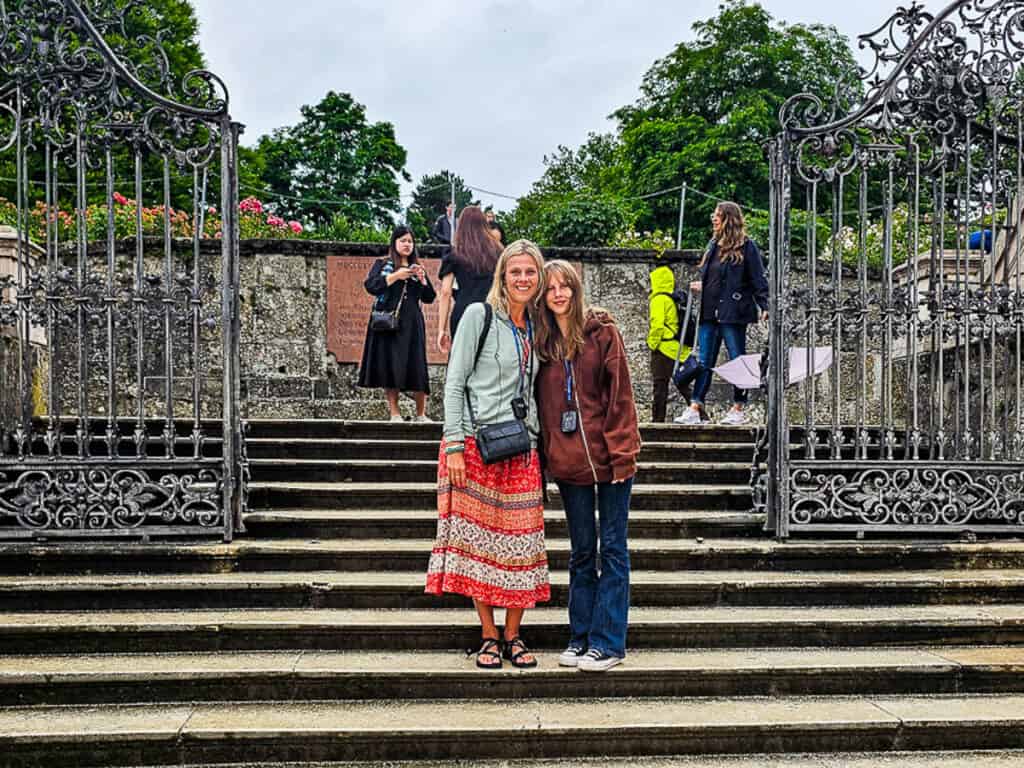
{"points": [[483, 88]]}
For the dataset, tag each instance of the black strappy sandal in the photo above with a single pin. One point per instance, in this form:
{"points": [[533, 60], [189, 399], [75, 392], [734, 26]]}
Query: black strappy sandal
{"points": [[514, 651], [491, 647]]}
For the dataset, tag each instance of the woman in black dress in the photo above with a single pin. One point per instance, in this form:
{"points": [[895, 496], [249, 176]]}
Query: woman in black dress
{"points": [[397, 360], [470, 264]]}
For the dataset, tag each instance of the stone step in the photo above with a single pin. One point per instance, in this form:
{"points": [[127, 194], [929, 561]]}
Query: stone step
{"points": [[453, 730], [211, 447], [425, 471], [438, 629], [394, 524], [391, 590], [342, 448], [383, 430], [680, 555], [383, 675], [989, 758], [423, 495]]}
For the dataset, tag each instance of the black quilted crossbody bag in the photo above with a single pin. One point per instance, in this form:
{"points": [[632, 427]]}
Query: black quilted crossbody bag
{"points": [[497, 442], [387, 322]]}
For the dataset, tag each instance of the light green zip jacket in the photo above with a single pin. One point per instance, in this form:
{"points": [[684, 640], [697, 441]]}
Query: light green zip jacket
{"points": [[664, 317], [494, 382]]}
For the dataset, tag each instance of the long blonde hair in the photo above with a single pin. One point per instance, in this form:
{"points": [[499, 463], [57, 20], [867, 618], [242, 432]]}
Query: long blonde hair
{"points": [[497, 297], [551, 345], [731, 234]]}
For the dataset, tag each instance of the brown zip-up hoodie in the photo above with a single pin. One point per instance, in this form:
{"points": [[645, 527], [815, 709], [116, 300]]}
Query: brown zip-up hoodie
{"points": [[606, 443]]}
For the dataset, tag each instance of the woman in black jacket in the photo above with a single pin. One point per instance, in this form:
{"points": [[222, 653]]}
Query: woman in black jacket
{"points": [[467, 271], [734, 294], [397, 360]]}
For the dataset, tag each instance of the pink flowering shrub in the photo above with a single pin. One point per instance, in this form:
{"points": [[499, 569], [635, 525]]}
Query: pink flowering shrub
{"points": [[253, 220], [251, 205]]}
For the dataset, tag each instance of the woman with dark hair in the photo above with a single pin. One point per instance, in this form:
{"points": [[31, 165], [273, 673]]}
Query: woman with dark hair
{"points": [[396, 360], [470, 266], [732, 287]]}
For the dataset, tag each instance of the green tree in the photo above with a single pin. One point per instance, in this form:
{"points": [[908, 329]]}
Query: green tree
{"points": [[583, 220], [703, 116], [334, 162], [706, 110], [597, 166], [596, 170], [431, 198], [174, 24]]}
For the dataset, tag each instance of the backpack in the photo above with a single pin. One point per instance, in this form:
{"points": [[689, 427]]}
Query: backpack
{"points": [[679, 299]]}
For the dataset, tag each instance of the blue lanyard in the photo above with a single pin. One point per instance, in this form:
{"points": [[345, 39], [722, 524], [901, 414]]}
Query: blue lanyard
{"points": [[520, 353], [568, 381]]}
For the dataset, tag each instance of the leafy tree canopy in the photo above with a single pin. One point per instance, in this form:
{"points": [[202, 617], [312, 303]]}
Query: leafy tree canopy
{"points": [[703, 115], [706, 110], [332, 162], [174, 24], [431, 198], [586, 179], [583, 220]]}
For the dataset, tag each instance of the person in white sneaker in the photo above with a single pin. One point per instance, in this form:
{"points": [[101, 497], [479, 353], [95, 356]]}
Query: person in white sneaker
{"points": [[591, 439], [734, 294]]}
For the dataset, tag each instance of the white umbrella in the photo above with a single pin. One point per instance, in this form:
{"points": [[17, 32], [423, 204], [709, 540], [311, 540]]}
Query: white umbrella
{"points": [[744, 372]]}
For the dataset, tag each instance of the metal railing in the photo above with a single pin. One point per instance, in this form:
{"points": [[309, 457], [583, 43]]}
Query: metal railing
{"points": [[125, 415], [918, 424]]}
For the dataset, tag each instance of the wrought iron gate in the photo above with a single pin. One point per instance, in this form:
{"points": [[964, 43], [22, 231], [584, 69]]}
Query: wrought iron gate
{"points": [[119, 318], [881, 198]]}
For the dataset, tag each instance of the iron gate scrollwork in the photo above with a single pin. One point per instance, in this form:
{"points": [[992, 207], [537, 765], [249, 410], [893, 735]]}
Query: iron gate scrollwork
{"points": [[910, 270], [119, 315]]}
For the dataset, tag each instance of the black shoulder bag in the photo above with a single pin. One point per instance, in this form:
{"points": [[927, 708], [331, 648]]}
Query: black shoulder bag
{"points": [[497, 442], [382, 321]]}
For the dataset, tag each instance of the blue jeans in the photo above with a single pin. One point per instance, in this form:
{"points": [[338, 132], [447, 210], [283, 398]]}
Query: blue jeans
{"points": [[598, 605], [710, 342]]}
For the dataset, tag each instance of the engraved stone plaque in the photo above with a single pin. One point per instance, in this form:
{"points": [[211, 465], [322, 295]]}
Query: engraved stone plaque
{"points": [[348, 308]]}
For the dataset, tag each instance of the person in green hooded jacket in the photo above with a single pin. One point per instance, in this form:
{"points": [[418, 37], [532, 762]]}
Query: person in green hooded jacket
{"points": [[663, 338]]}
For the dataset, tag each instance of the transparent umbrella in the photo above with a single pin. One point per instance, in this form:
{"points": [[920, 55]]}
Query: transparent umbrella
{"points": [[744, 372]]}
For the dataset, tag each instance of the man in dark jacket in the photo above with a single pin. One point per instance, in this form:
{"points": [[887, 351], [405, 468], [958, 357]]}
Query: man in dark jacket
{"points": [[444, 227]]}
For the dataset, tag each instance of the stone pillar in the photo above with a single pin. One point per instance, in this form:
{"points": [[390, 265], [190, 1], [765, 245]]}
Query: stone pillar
{"points": [[11, 384]]}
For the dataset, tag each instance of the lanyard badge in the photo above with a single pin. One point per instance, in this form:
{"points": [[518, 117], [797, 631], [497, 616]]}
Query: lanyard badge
{"points": [[519, 408], [570, 418]]}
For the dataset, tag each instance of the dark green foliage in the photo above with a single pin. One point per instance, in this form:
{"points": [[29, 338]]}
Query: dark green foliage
{"points": [[703, 116], [431, 197], [583, 221], [333, 162], [174, 23], [594, 171]]}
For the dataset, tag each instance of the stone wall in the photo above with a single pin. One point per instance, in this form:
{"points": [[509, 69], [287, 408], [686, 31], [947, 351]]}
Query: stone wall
{"points": [[287, 369], [290, 374]]}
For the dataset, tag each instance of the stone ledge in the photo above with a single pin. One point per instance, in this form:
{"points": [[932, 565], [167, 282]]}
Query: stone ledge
{"points": [[324, 248]]}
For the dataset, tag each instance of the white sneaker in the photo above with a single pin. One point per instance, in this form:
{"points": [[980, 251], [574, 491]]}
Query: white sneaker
{"points": [[571, 656], [735, 417], [597, 661], [423, 420], [396, 419], [689, 416]]}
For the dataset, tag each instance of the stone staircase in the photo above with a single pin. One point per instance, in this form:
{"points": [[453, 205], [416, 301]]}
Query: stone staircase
{"points": [[310, 638]]}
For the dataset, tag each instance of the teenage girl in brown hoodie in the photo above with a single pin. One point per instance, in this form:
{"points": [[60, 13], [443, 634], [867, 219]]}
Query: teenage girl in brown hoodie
{"points": [[591, 439]]}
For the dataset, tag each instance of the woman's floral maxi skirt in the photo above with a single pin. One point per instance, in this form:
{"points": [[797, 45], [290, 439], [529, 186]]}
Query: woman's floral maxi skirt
{"points": [[490, 534]]}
